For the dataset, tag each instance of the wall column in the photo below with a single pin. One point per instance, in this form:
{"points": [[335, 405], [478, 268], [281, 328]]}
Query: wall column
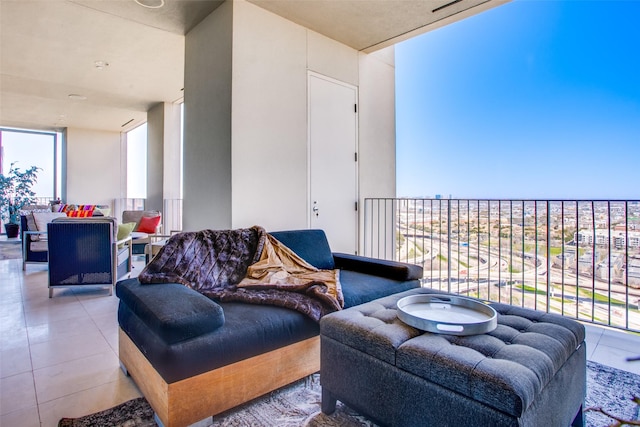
{"points": [[164, 160], [155, 157], [207, 122]]}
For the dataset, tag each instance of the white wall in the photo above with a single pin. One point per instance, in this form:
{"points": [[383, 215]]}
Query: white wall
{"points": [[172, 151], [269, 120], [377, 122], [270, 166], [333, 59], [164, 180], [267, 139], [94, 166], [207, 122]]}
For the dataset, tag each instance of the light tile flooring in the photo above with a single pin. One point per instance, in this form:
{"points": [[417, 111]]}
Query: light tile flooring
{"points": [[59, 356]]}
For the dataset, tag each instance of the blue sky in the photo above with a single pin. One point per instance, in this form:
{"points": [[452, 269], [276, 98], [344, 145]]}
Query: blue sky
{"points": [[532, 99]]}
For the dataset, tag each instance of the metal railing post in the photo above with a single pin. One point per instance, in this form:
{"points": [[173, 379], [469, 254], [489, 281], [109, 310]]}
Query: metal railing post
{"points": [[449, 245]]}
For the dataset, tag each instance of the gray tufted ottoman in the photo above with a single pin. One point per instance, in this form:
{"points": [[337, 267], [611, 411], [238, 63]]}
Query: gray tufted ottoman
{"points": [[530, 371]]}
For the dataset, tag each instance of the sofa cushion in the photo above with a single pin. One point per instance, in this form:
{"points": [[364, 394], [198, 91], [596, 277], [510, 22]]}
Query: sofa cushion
{"points": [[173, 312], [310, 245], [248, 330], [39, 246], [358, 288]]}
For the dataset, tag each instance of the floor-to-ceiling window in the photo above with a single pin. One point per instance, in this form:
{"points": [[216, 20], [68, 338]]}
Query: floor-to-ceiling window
{"points": [[137, 166], [27, 148], [23, 149]]}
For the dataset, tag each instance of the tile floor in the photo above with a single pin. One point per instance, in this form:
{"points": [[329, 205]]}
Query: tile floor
{"points": [[59, 356]]}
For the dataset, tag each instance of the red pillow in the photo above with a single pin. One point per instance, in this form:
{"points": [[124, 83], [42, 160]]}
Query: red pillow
{"points": [[148, 224]]}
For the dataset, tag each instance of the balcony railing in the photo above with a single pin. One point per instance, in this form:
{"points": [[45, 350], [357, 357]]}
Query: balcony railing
{"points": [[578, 258]]}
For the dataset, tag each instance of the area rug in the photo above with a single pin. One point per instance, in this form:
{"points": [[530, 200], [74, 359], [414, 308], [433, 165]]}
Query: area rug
{"points": [[298, 405]]}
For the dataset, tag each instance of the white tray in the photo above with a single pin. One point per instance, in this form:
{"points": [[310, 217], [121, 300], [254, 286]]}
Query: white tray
{"points": [[447, 314]]}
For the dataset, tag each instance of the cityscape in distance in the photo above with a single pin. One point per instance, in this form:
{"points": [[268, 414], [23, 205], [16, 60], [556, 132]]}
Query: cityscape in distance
{"points": [[578, 258]]}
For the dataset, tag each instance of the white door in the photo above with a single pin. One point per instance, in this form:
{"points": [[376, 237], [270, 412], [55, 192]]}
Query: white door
{"points": [[333, 174]]}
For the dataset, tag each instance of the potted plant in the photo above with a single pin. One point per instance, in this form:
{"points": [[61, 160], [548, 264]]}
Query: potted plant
{"points": [[16, 192]]}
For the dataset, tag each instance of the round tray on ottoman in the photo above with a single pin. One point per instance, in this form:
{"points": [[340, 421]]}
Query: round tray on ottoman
{"points": [[453, 315]]}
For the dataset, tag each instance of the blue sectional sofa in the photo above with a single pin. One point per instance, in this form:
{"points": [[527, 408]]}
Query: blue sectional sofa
{"points": [[193, 357]]}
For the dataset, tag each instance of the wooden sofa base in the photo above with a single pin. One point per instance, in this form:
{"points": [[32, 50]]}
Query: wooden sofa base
{"points": [[190, 400]]}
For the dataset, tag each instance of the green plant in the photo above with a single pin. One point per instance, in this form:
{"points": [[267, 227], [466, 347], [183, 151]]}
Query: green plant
{"points": [[16, 192]]}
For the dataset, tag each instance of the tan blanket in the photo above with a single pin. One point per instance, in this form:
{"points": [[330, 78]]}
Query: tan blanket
{"points": [[281, 268]]}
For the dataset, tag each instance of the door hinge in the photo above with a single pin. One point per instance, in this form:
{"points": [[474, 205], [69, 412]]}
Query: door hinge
{"points": [[355, 157], [356, 206], [355, 108]]}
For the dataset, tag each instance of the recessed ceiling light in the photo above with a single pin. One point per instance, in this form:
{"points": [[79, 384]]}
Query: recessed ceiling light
{"points": [[151, 4], [77, 97], [101, 65]]}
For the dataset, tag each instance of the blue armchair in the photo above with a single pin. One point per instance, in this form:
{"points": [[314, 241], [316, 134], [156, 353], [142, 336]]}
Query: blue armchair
{"points": [[84, 251]]}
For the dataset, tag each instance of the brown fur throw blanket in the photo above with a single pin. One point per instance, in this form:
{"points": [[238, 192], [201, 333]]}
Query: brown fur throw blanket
{"points": [[245, 265]]}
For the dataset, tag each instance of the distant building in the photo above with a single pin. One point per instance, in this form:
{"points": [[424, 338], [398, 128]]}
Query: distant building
{"points": [[602, 237], [634, 271]]}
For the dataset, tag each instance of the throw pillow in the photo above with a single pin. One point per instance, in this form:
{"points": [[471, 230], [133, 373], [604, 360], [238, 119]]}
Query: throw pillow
{"points": [[31, 226], [148, 224], [102, 211], [124, 230], [80, 214], [43, 218], [31, 223], [66, 208]]}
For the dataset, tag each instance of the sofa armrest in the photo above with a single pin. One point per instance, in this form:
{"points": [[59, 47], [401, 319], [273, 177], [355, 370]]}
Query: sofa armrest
{"points": [[120, 243], [33, 236], [378, 267], [174, 312]]}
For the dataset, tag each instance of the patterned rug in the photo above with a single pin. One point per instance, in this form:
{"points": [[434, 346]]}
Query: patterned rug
{"points": [[298, 405]]}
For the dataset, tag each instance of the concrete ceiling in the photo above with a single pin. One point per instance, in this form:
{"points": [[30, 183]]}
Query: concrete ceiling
{"points": [[49, 49]]}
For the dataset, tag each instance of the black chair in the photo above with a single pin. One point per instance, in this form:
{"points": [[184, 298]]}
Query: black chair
{"points": [[34, 249], [84, 252]]}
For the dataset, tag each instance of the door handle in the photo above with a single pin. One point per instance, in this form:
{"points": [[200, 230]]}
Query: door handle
{"points": [[315, 208]]}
